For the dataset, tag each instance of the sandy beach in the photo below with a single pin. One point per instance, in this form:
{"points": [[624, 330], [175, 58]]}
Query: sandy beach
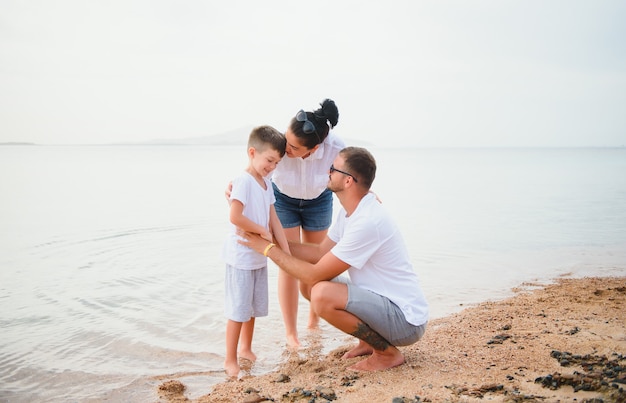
{"points": [[561, 342]]}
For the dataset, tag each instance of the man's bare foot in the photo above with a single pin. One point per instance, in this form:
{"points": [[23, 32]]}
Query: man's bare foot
{"points": [[361, 349], [231, 368], [247, 355], [293, 342], [379, 361]]}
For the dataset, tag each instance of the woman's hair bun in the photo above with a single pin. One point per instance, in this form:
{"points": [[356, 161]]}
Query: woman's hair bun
{"points": [[329, 112]]}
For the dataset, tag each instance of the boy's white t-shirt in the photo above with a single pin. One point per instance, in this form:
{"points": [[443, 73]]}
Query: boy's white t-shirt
{"points": [[370, 242], [256, 206]]}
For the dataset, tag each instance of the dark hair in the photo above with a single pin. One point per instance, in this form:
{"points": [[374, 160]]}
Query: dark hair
{"points": [[360, 163], [264, 137], [324, 119]]}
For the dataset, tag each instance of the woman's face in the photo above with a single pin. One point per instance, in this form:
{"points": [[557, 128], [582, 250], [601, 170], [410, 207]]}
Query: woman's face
{"points": [[295, 149]]}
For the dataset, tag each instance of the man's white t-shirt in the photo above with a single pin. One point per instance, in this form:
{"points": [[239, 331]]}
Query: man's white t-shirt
{"points": [[370, 242], [256, 206]]}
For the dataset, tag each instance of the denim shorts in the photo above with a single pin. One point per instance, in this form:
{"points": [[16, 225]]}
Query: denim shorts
{"points": [[311, 215]]}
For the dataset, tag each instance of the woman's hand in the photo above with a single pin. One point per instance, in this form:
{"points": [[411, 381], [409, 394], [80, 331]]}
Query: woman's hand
{"points": [[228, 191], [376, 196]]}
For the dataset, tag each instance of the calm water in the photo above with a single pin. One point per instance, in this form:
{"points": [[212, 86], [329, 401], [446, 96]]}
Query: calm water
{"points": [[111, 281]]}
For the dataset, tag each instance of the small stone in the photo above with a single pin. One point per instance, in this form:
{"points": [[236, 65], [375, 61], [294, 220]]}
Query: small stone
{"points": [[254, 398], [282, 378]]}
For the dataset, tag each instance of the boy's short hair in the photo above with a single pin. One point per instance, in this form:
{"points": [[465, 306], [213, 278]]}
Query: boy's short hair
{"points": [[264, 137]]}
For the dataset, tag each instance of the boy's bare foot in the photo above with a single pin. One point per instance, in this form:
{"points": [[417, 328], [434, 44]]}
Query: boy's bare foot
{"points": [[231, 368], [379, 361], [360, 349]]}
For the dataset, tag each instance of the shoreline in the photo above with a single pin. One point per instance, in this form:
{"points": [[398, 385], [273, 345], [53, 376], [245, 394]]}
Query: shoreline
{"points": [[562, 341]]}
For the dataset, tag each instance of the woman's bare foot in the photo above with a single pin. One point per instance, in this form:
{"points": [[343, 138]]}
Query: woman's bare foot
{"points": [[314, 320], [231, 368], [314, 323], [361, 349], [292, 341], [247, 354], [392, 357]]}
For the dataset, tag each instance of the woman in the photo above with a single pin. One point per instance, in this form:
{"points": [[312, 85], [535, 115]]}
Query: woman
{"points": [[303, 203]]}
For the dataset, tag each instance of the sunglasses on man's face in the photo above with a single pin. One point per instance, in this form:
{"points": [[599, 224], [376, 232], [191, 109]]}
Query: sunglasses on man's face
{"points": [[333, 169], [308, 127]]}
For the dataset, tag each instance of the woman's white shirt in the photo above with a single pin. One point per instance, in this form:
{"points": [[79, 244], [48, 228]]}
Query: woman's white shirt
{"points": [[306, 178]]}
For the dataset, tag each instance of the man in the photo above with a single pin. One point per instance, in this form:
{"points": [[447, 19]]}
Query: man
{"points": [[382, 303]]}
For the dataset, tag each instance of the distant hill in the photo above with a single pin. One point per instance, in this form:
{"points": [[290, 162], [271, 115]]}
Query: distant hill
{"points": [[235, 137], [230, 138]]}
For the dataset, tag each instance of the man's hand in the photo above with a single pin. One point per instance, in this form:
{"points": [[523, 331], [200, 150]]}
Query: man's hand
{"points": [[252, 241]]}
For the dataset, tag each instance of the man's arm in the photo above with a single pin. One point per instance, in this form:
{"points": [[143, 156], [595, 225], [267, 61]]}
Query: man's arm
{"points": [[326, 268]]}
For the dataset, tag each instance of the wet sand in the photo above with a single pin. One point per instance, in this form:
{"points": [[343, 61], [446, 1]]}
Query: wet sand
{"points": [[561, 342]]}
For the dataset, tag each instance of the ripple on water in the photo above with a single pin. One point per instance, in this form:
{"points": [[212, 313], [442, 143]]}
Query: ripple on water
{"points": [[107, 308]]}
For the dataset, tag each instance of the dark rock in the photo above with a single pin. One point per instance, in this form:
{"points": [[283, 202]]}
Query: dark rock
{"points": [[499, 339], [326, 393], [600, 374], [573, 331]]}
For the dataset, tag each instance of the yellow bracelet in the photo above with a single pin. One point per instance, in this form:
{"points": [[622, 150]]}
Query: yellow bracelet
{"points": [[267, 249]]}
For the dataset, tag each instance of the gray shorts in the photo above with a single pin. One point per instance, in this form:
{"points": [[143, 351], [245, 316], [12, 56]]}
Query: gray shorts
{"points": [[246, 294], [382, 315]]}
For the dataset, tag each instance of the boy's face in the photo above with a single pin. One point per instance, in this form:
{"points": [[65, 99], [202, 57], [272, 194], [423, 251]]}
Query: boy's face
{"points": [[264, 162]]}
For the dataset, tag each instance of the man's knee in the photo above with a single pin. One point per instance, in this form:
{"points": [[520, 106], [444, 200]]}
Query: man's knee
{"points": [[318, 291], [327, 295]]}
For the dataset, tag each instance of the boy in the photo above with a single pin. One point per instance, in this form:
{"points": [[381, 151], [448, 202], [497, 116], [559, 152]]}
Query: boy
{"points": [[252, 210]]}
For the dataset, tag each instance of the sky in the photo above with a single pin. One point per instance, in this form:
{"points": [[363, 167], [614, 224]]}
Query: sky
{"points": [[487, 73]]}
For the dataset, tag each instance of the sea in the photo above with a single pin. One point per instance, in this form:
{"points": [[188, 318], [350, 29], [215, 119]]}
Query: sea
{"points": [[111, 278]]}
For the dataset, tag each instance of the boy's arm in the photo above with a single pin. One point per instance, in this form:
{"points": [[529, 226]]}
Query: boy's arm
{"points": [[277, 230], [243, 222], [310, 252]]}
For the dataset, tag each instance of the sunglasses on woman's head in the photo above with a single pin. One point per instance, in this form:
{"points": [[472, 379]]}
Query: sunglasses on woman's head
{"points": [[308, 127]]}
